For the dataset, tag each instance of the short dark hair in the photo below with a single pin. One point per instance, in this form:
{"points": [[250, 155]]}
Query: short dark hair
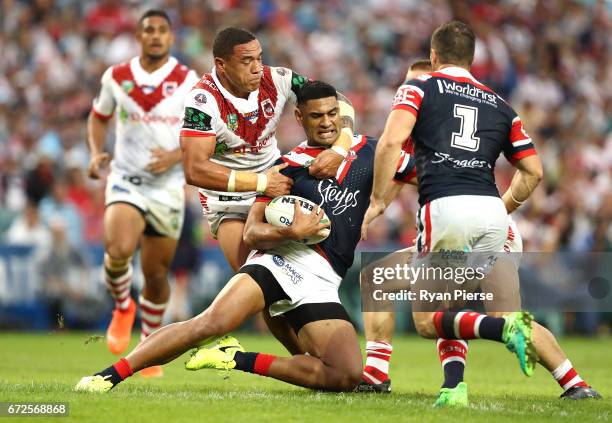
{"points": [[314, 90], [454, 43], [228, 38], [421, 64], [154, 12]]}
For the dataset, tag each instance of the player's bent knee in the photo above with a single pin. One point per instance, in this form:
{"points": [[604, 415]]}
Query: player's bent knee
{"points": [[115, 262], [155, 277], [120, 251], [211, 323]]}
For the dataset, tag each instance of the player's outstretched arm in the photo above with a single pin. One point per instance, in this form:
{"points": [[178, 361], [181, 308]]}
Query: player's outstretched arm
{"points": [[527, 177], [260, 235], [201, 172]]}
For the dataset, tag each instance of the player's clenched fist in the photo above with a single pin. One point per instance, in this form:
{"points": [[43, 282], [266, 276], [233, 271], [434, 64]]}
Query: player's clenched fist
{"points": [[325, 165], [278, 184], [97, 161]]}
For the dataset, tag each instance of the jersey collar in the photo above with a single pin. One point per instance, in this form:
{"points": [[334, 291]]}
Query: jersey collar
{"points": [[457, 72], [155, 77], [243, 105]]}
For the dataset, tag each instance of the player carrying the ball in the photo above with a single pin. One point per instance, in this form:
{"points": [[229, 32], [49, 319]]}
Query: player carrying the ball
{"points": [[283, 276]]}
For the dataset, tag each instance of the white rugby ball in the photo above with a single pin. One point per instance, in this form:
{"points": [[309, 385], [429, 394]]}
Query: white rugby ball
{"points": [[279, 212]]}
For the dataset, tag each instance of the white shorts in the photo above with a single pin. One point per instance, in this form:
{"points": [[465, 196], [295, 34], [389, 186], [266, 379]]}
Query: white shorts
{"points": [[163, 208], [304, 275], [219, 206], [467, 223]]}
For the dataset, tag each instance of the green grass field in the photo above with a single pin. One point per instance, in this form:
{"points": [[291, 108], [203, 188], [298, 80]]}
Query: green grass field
{"points": [[45, 367]]}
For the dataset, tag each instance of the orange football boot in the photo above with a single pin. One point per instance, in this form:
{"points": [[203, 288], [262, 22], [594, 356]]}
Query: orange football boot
{"points": [[119, 331], [153, 371]]}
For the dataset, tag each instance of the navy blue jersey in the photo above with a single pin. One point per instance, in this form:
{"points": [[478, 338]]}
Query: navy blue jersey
{"points": [[344, 198], [461, 129]]}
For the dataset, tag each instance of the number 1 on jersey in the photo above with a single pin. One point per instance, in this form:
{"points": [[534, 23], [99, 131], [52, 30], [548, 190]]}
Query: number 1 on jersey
{"points": [[465, 139]]}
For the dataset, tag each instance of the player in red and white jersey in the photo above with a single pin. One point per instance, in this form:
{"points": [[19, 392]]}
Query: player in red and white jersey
{"points": [[228, 136], [144, 192]]}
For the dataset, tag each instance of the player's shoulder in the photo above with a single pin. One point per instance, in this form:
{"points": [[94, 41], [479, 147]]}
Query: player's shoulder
{"points": [[181, 70], [204, 94], [123, 67], [286, 80], [279, 71], [361, 141], [281, 76], [301, 156], [118, 72], [420, 81], [206, 83]]}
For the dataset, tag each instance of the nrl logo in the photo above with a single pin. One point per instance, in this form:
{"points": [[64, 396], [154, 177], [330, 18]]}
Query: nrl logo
{"points": [[127, 86], [169, 87], [232, 122], [200, 98], [268, 109]]}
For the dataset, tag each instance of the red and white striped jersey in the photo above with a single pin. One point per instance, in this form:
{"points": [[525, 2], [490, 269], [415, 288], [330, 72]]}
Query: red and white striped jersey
{"points": [[148, 107], [244, 129]]}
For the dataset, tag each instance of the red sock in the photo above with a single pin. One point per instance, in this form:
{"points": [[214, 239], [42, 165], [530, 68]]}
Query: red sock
{"points": [[263, 363], [123, 368], [567, 376]]}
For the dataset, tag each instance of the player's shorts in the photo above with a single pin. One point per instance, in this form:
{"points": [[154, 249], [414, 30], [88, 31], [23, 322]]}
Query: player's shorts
{"points": [[291, 288], [467, 223], [219, 206], [163, 208]]}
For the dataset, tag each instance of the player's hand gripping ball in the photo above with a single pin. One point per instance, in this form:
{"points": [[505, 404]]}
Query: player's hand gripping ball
{"points": [[279, 212]]}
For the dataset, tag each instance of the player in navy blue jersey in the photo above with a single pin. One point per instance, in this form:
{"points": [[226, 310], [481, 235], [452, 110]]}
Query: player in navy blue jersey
{"points": [[288, 278], [459, 128]]}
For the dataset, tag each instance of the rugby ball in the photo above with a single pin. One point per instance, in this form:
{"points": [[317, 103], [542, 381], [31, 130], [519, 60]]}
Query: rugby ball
{"points": [[279, 212]]}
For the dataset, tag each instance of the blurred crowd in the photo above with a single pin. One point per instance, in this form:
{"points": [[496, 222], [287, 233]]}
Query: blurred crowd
{"points": [[551, 59]]}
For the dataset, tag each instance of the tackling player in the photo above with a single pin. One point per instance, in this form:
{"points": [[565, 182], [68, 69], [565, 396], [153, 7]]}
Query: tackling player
{"points": [[289, 279], [144, 191], [229, 136], [459, 128], [229, 142]]}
